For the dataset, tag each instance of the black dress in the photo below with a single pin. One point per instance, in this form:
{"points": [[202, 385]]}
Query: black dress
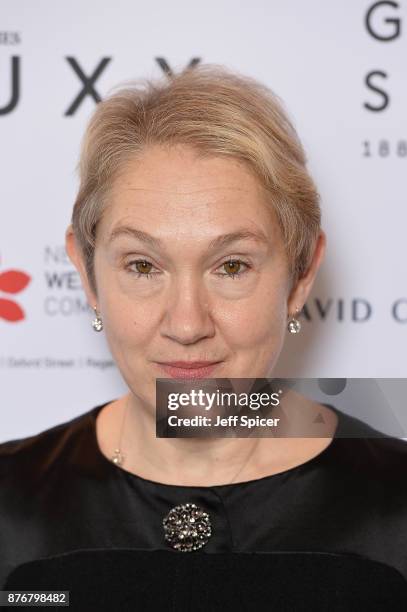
{"points": [[327, 535]]}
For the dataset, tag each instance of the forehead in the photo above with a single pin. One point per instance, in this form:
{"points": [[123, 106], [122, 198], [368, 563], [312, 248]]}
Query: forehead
{"points": [[181, 169], [174, 187]]}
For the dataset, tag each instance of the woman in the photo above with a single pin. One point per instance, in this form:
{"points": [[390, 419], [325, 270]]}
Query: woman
{"points": [[196, 233]]}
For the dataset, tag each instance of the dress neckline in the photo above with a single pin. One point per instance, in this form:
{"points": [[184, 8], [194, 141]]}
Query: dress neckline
{"points": [[120, 471]]}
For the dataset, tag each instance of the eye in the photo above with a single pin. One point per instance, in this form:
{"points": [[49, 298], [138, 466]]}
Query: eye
{"points": [[232, 267], [143, 267]]}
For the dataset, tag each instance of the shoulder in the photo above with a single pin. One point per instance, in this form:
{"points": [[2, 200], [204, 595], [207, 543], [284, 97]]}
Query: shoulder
{"points": [[34, 457], [40, 482], [384, 456], [368, 455]]}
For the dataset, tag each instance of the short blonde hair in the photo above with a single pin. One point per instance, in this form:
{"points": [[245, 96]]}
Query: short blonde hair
{"points": [[218, 112]]}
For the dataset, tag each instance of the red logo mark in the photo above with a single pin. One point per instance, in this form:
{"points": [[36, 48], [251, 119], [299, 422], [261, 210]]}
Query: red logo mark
{"points": [[12, 281]]}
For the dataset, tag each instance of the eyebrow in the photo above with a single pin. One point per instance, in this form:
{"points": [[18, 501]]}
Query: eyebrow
{"points": [[217, 243]]}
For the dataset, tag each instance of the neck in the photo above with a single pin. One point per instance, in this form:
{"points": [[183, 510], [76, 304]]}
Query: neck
{"points": [[182, 461], [203, 461]]}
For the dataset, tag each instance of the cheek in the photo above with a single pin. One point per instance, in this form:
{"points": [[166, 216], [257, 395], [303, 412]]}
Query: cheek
{"points": [[261, 316], [125, 324]]}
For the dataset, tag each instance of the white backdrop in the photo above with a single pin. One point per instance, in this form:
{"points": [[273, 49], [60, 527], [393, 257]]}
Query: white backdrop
{"points": [[342, 75]]}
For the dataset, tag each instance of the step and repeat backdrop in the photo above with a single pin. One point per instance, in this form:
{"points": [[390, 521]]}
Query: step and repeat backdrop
{"points": [[341, 70]]}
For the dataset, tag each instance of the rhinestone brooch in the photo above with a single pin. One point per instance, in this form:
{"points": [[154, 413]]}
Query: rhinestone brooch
{"points": [[187, 527]]}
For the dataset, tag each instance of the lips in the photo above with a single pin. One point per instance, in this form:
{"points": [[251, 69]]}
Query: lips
{"points": [[189, 364], [189, 369]]}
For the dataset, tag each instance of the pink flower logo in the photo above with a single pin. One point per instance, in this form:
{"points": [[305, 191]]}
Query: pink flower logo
{"points": [[12, 281]]}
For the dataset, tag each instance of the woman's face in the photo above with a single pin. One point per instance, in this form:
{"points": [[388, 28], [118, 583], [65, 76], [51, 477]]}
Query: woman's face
{"points": [[171, 295]]}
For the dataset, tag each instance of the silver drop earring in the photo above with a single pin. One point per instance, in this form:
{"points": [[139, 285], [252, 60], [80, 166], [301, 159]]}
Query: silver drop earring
{"points": [[294, 325], [97, 322]]}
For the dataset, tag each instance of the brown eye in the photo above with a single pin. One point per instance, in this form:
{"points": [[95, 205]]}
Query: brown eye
{"points": [[140, 267], [232, 266], [144, 267]]}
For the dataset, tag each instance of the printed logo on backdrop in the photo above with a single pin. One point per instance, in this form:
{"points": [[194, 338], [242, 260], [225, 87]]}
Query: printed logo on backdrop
{"points": [[10, 39], [351, 310], [64, 296], [88, 81], [384, 26], [64, 293], [12, 282]]}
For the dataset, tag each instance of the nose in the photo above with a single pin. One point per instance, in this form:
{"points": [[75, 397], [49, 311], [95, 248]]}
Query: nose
{"points": [[187, 318]]}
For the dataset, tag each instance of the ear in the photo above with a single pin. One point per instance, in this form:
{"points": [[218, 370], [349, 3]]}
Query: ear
{"points": [[300, 292], [75, 255]]}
